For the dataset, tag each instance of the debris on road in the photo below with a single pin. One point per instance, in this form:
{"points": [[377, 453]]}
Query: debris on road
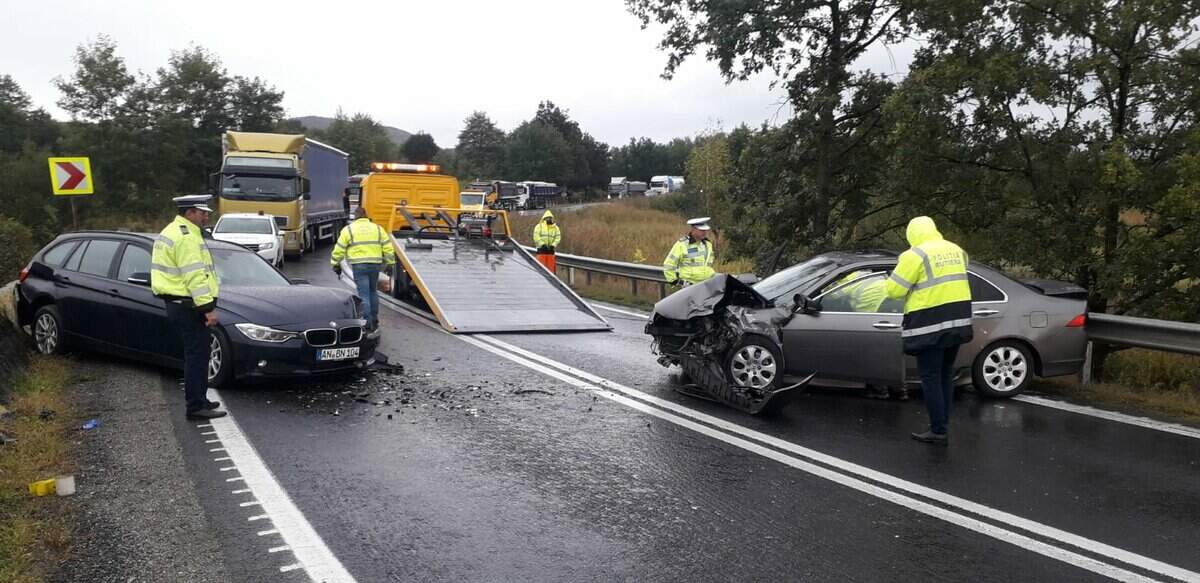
{"points": [[524, 391], [91, 424]]}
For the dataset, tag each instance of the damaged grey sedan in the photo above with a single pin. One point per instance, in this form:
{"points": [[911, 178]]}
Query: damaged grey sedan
{"points": [[826, 322]]}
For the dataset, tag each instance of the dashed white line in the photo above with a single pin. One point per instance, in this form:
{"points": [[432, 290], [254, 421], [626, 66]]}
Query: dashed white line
{"points": [[1112, 416], [268, 532], [204, 425], [212, 441], [216, 449], [293, 567], [278, 549], [237, 479], [242, 491], [229, 469], [259, 517], [220, 459], [310, 550], [209, 433]]}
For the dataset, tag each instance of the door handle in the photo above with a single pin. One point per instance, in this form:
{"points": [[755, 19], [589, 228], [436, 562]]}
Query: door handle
{"points": [[114, 291], [986, 312], [885, 326]]}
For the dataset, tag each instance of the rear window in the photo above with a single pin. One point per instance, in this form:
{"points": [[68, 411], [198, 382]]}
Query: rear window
{"points": [[240, 225], [58, 254], [98, 257], [983, 291], [135, 260]]}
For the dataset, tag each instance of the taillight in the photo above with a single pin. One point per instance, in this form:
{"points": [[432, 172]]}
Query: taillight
{"points": [[1078, 321], [24, 274]]}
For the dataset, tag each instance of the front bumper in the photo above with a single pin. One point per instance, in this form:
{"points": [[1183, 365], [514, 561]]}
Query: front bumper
{"points": [[293, 358]]}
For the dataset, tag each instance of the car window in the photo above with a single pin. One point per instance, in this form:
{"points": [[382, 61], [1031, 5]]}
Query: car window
{"points": [[246, 226], [861, 292], [244, 268], [56, 256], [73, 262], [983, 291], [135, 260], [791, 280], [98, 257]]}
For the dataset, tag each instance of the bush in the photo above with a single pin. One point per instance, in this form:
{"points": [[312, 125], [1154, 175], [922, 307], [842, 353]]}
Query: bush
{"points": [[16, 247], [1154, 370]]}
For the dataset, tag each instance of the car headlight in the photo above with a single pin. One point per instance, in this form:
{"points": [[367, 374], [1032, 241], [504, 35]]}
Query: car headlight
{"points": [[267, 245], [265, 334]]}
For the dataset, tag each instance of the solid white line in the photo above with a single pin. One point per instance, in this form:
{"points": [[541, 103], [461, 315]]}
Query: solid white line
{"points": [[865, 472], [634, 314], [1112, 416], [310, 551], [531, 360]]}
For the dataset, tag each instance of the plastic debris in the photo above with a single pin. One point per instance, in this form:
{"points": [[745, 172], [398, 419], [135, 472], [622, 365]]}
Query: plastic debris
{"points": [[92, 424], [42, 487]]}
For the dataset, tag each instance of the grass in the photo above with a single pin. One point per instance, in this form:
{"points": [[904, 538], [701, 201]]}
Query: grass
{"points": [[1141, 382], [34, 534]]}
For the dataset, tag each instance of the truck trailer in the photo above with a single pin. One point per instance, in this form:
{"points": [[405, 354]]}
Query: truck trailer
{"points": [[620, 187], [664, 185], [298, 180]]}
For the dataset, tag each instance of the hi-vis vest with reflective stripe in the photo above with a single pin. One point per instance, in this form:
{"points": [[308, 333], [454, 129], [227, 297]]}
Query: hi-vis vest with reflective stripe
{"points": [[181, 266], [690, 261], [932, 277], [363, 242], [546, 235]]}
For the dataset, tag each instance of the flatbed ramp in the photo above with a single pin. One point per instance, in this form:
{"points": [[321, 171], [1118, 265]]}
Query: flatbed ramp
{"points": [[476, 285]]}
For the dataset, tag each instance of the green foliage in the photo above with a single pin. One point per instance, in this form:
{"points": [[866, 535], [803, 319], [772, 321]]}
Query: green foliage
{"points": [[480, 150], [537, 151], [643, 158], [362, 137], [419, 148], [16, 247]]}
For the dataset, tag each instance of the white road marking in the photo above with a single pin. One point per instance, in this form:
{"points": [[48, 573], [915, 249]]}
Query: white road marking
{"points": [[209, 433], [669, 411], [267, 532], [238, 479], [242, 491], [212, 441], [310, 551], [292, 568], [251, 503], [278, 549], [216, 449], [220, 459], [229, 469], [1112, 416], [259, 517], [627, 313], [205, 425]]}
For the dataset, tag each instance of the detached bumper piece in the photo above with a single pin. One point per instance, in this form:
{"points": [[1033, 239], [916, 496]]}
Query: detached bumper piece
{"points": [[708, 383]]}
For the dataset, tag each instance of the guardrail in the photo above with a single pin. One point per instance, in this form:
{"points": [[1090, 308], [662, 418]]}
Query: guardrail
{"points": [[634, 272]]}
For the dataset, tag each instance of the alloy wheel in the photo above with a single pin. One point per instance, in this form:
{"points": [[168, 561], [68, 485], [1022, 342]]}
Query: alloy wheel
{"points": [[1005, 369], [215, 357], [45, 334], [753, 366]]}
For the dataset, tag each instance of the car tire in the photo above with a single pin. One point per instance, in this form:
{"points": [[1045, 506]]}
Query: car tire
{"points": [[48, 332], [1003, 369], [220, 359], [755, 362]]}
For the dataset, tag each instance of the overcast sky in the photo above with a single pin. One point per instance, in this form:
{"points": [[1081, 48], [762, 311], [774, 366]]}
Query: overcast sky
{"points": [[416, 66]]}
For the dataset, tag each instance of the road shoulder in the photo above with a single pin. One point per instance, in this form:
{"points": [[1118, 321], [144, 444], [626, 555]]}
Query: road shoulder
{"points": [[138, 517]]}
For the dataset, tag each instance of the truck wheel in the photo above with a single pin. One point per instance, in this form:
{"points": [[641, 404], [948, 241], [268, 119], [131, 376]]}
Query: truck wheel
{"points": [[309, 243]]}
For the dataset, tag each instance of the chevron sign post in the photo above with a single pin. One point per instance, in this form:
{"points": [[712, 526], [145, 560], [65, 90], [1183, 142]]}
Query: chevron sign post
{"points": [[71, 176]]}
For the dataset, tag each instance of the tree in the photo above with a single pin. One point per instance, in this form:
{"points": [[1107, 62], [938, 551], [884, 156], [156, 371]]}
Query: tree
{"points": [[255, 106], [480, 150], [419, 148], [537, 151], [97, 90], [20, 123], [362, 137], [710, 174], [810, 46]]}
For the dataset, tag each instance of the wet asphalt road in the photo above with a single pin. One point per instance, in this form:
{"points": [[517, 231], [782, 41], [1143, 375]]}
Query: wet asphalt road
{"points": [[490, 471]]}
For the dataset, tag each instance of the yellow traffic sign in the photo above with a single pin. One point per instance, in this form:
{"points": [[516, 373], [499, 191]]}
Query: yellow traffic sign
{"points": [[71, 176]]}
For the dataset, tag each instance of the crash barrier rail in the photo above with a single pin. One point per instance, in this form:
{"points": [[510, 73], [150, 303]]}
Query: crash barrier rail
{"points": [[634, 272]]}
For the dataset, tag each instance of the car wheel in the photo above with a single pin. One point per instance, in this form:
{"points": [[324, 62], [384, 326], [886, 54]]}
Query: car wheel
{"points": [[48, 331], [220, 359], [1003, 369], [756, 363]]}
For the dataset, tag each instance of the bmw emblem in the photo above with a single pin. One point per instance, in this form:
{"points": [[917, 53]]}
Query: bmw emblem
{"points": [[334, 324]]}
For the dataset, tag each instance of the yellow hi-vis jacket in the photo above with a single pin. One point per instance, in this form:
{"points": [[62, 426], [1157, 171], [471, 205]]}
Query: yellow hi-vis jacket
{"points": [[363, 242], [866, 296], [546, 235], [181, 268], [932, 278], [689, 260]]}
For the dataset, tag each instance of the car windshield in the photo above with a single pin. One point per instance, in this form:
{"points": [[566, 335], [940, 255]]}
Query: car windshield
{"points": [[248, 226], [794, 278], [238, 268]]}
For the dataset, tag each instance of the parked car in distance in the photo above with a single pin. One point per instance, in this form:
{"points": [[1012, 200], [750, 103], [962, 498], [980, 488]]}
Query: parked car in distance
{"points": [[257, 232], [849, 335], [91, 291]]}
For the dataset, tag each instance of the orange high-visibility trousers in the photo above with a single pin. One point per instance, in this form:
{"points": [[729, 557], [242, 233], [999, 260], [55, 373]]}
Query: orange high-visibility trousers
{"points": [[548, 260]]}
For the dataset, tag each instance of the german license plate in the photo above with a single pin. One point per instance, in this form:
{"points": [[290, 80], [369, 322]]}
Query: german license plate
{"points": [[338, 353]]}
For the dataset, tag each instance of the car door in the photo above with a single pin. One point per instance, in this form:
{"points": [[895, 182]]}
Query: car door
{"points": [[141, 317], [848, 340], [86, 302]]}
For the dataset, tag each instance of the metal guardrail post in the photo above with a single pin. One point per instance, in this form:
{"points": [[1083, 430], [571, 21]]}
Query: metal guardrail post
{"points": [[571, 276]]}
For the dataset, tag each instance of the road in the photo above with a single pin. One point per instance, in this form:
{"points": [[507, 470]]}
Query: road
{"points": [[569, 457]]}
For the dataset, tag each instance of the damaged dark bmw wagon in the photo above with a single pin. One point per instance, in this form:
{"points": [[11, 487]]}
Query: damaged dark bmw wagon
{"points": [[750, 346]]}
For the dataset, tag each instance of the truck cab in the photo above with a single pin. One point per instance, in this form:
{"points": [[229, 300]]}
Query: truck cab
{"points": [[392, 184]]}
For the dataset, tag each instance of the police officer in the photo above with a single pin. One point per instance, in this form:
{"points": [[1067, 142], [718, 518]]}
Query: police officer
{"points": [[183, 275], [932, 278], [691, 259], [546, 237], [368, 249]]}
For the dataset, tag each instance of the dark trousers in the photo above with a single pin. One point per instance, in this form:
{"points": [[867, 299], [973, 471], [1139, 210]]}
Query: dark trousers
{"points": [[194, 333], [937, 384]]}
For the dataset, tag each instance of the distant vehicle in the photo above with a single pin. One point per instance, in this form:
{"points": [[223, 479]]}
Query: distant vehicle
{"points": [[392, 184], [472, 201], [620, 187], [664, 185], [1022, 329], [500, 194], [539, 194], [297, 179], [353, 193], [256, 232], [91, 290]]}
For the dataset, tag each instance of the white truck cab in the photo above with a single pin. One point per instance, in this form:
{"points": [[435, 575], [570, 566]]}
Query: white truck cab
{"points": [[257, 232]]}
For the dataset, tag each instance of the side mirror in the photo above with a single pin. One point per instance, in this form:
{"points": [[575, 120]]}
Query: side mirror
{"points": [[298, 280], [139, 278], [305, 188], [214, 180], [802, 305]]}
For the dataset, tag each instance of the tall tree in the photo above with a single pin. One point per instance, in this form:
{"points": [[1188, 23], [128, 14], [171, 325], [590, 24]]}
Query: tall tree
{"points": [[254, 105], [362, 137], [419, 148], [480, 150], [810, 46], [97, 90], [537, 151]]}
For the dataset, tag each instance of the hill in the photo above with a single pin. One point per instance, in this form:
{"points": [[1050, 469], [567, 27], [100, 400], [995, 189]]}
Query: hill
{"points": [[317, 122]]}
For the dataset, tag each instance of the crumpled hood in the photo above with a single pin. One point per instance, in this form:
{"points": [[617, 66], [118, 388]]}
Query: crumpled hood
{"points": [[704, 298], [922, 230], [283, 305]]}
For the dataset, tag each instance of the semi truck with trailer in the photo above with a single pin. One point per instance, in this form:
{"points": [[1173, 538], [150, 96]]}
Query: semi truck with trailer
{"points": [[660, 185], [298, 180]]}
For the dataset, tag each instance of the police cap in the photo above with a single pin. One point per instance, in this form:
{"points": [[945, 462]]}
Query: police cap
{"points": [[193, 201], [700, 223]]}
